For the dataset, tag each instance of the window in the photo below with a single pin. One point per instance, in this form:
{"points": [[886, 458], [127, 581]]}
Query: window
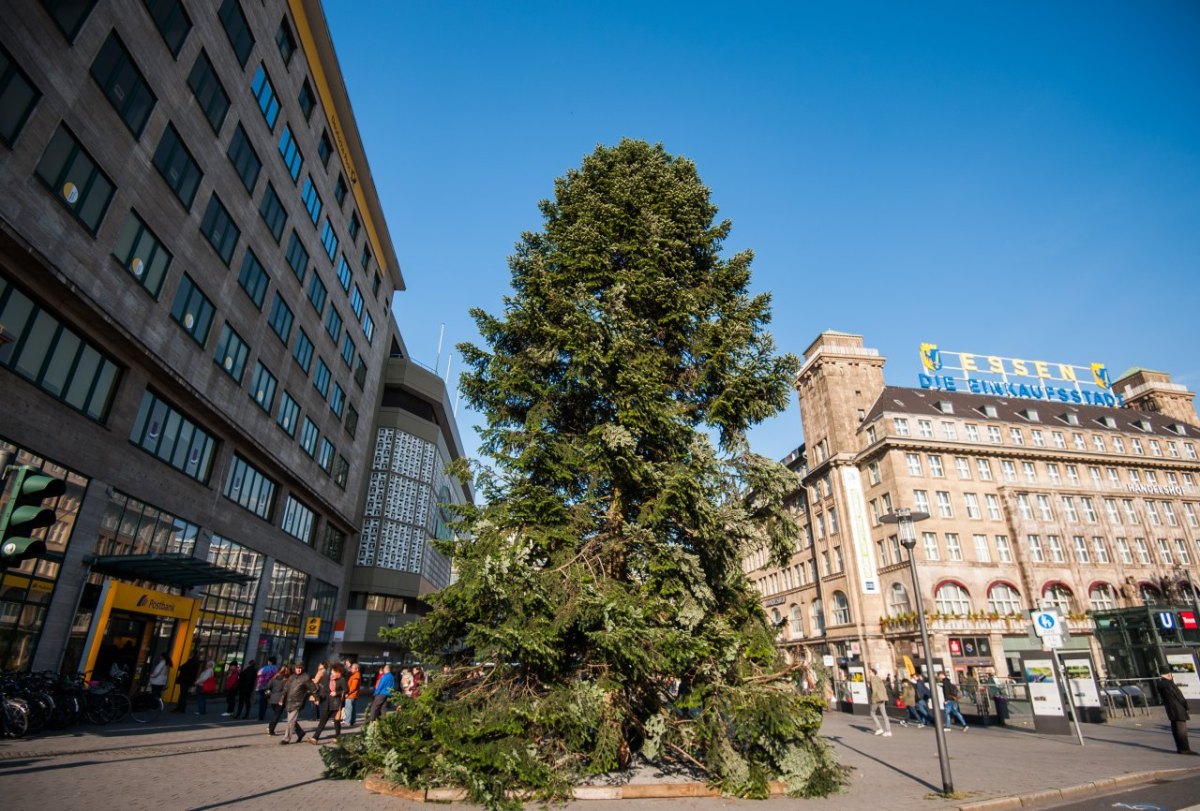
{"points": [[311, 200], [1152, 512], [914, 463], [1143, 551], [316, 294], [352, 427], [302, 350], [1052, 472], [177, 166], [1058, 596], [292, 159], [1039, 439], [192, 310], [368, 327], [1017, 437], [1155, 448], [17, 98], [231, 353], [993, 433], [308, 437], [1089, 509], [321, 378], [963, 466], [324, 149], [237, 29], [262, 387], [925, 429], [123, 84], [356, 304], [873, 474], [921, 500], [993, 506], [218, 227], [337, 400], [172, 22], [165, 433], [297, 256], [244, 159], [339, 191], [1136, 445], [210, 95], [972, 502], [1118, 444], [272, 211], [365, 259], [341, 471], [1094, 475], [833, 523], [297, 520], [983, 552], [360, 372], [1189, 450], [53, 357], [343, 273], [354, 226], [1003, 550], [1189, 509], [1056, 549], [1101, 549], [1025, 509], [901, 426], [1069, 510], [930, 545], [325, 455], [984, 467], [333, 324], [972, 432], [141, 253], [285, 41], [1081, 549], [264, 94], [897, 600], [1073, 474], [949, 429], [1181, 549], [307, 100], [348, 350], [1131, 515], [289, 415], [1009, 470], [1098, 443], [1044, 511], [69, 171], [253, 279], [1030, 472], [1035, 549], [841, 609], [69, 15], [329, 240], [1102, 598], [281, 318], [1164, 552], [1173, 449], [943, 501], [952, 598], [953, 547], [247, 487], [1004, 599]]}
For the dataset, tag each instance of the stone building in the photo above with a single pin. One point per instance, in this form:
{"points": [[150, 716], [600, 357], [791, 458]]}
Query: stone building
{"points": [[1032, 503], [195, 288]]}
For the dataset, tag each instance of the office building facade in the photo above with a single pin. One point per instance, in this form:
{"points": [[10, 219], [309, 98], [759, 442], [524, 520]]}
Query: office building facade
{"points": [[195, 289], [1051, 502]]}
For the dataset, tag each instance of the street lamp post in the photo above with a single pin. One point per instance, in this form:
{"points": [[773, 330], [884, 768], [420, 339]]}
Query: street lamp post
{"points": [[904, 518]]}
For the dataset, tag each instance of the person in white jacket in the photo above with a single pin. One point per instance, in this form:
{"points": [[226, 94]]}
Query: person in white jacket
{"points": [[158, 676]]}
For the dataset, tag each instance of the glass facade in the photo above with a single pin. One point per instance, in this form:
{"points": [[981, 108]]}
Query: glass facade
{"points": [[282, 613], [228, 608]]}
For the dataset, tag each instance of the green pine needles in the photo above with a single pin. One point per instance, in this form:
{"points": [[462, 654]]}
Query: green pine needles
{"points": [[601, 617]]}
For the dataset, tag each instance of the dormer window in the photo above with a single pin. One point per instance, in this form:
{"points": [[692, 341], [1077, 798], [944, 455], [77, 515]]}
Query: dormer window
{"points": [[1177, 428], [988, 411], [1029, 414], [944, 406], [1070, 419], [1107, 422], [1143, 425]]}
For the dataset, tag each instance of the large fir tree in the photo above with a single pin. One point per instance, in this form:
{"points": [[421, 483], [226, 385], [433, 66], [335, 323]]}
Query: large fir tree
{"points": [[600, 610]]}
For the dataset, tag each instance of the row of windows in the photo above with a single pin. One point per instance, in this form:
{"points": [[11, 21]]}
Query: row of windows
{"points": [[917, 465], [1038, 439], [163, 432]]}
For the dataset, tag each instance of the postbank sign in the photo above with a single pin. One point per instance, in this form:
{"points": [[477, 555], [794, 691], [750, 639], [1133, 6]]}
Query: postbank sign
{"points": [[998, 376]]}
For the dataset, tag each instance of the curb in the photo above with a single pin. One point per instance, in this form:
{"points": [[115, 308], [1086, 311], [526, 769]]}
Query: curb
{"points": [[1073, 793], [376, 784]]}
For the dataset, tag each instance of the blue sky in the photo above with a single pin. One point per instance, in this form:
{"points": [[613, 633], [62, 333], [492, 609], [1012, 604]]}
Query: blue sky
{"points": [[1018, 178]]}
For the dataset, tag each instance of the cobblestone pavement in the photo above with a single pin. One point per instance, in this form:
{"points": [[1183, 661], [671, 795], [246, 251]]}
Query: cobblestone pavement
{"points": [[184, 762]]}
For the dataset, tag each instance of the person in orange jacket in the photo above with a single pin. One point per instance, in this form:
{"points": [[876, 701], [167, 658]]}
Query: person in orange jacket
{"points": [[353, 681]]}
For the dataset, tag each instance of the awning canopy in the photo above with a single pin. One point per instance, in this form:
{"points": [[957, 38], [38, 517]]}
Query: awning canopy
{"points": [[182, 571]]}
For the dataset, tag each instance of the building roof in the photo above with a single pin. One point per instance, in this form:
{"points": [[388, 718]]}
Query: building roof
{"points": [[1050, 413]]}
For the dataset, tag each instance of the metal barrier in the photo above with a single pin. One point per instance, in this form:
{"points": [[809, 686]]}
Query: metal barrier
{"points": [[1130, 696]]}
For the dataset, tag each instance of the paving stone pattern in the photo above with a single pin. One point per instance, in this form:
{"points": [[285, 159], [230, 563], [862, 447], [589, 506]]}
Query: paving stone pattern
{"points": [[190, 763]]}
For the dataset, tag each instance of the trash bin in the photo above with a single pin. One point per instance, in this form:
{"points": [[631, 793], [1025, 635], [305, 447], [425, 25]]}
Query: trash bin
{"points": [[1001, 709]]}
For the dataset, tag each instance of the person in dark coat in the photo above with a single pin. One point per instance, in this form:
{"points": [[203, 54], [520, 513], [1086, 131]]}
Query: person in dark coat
{"points": [[332, 704], [247, 681], [295, 695], [274, 696], [188, 671], [1177, 712]]}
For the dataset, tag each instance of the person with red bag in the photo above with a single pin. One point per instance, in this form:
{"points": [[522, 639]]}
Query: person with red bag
{"points": [[206, 684], [231, 685]]}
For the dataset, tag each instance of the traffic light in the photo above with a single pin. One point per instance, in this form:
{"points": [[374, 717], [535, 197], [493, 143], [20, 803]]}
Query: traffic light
{"points": [[24, 513]]}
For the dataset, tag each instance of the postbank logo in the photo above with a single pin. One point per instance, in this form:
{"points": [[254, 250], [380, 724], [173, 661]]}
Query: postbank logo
{"points": [[1100, 375], [931, 357], [145, 601]]}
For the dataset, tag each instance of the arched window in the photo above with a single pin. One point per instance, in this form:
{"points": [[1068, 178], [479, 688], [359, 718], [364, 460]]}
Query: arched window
{"points": [[1004, 599], [1059, 596], [797, 621], [817, 612], [1149, 593], [897, 600], [952, 598], [1102, 597], [841, 609], [776, 618]]}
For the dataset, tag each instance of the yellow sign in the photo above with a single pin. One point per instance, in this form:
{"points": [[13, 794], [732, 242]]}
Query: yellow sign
{"points": [[126, 597], [312, 627]]}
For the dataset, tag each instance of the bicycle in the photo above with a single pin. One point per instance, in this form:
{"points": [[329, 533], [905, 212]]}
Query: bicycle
{"points": [[145, 707]]}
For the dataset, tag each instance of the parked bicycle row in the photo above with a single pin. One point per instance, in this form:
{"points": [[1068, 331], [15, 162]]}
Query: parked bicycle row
{"points": [[34, 702]]}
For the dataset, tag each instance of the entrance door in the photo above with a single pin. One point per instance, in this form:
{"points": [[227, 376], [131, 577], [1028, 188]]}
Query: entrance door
{"points": [[131, 645]]}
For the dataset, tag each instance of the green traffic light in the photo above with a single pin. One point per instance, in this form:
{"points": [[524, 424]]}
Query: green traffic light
{"points": [[23, 513]]}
